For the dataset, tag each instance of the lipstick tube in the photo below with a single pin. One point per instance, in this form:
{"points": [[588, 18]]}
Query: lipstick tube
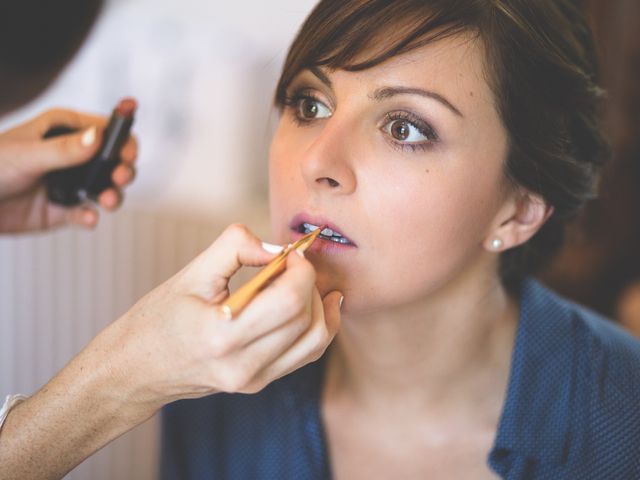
{"points": [[72, 186]]}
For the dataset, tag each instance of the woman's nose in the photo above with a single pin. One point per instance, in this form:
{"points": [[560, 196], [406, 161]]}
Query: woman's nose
{"points": [[328, 164]]}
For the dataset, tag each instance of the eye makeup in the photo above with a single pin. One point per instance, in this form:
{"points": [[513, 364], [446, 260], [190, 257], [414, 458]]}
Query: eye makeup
{"points": [[302, 102], [404, 120], [306, 108]]}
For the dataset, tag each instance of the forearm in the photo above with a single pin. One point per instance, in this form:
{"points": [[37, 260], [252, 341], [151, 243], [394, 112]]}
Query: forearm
{"points": [[78, 412]]}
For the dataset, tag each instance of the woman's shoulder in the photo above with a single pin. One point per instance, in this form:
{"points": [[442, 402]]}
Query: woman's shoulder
{"points": [[573, 393], [608, 339], [587, 328], [605, 351], [603, 361], [612, 353]]}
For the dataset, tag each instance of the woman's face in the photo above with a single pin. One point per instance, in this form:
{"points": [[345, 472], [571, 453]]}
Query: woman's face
{"points": [[405, 161]]}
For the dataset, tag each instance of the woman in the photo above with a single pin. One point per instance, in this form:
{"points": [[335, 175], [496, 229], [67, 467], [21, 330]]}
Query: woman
{"points": [[445, 144]]}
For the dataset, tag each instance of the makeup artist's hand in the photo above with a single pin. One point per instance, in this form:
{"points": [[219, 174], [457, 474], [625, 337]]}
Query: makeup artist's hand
{"points": [[25, 157], [176, 342]]}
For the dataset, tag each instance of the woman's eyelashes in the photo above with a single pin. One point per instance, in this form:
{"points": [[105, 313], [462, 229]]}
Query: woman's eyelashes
{"points": [[404, 129], [306, 107], [407, 130]]}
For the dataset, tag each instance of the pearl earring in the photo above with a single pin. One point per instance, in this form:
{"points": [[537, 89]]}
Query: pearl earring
{"points": [[497, 244]]}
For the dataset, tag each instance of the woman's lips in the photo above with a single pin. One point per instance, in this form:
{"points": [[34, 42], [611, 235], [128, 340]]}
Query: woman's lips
{"points": [[322, 245], [331, 237]]}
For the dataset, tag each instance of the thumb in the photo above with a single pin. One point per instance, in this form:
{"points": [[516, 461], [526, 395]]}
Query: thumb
{"points": [[62, 151], [332, 303], [235, 247]]}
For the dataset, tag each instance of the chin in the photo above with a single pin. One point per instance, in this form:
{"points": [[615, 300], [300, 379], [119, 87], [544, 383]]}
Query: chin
{"points": [[355, 302]]}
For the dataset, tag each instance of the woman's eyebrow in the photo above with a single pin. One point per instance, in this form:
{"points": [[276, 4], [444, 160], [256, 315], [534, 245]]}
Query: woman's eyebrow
{"points": [[321, 76], [388, 92]]}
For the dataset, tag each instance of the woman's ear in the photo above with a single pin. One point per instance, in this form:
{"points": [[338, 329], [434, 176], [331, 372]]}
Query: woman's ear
{"points": [[520, 220]]}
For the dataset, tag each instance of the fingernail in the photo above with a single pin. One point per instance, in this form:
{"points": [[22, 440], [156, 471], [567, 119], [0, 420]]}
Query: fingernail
{"points": [[89, 137], [300, 252], [341, 300], [226, 313], [271, 248]]}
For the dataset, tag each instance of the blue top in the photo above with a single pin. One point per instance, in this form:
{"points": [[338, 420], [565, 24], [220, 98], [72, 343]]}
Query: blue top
{"points": [[572, 410]]}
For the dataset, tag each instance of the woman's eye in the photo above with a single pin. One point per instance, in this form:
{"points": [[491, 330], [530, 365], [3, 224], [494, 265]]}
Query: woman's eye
{"points": [[311, 109], [406, 132]]}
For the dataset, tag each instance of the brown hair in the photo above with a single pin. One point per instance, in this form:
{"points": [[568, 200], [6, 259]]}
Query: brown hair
{"points": [[37, 38], [540, 65]]}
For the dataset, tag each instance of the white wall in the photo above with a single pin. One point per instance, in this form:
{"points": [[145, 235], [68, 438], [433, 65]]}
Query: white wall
{"points": [[204, 73]]}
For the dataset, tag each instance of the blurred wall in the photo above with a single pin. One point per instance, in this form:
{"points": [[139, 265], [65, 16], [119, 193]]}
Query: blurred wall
{"points": [[204, 74]]}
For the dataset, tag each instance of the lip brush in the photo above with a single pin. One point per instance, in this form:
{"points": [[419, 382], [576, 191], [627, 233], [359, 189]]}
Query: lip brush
{"points": [[241, 298]]}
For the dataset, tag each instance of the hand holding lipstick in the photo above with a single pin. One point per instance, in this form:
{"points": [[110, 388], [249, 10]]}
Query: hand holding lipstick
{"points": [[25, 159]]}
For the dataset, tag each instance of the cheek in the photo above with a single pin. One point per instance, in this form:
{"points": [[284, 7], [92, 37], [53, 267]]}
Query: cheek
{"points": [[284, 180], [277, 182], [426, 229], [442, 210]]}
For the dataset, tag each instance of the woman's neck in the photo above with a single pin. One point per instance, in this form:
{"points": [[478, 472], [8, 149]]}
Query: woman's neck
{"points": [[448, 353]]}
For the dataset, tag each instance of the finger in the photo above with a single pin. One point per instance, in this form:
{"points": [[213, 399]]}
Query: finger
{"points": [[286, 298], [60, 152], [85, 216], [236, 246], [311, 345], [248, 362], [129, 152], [62, 117], [123, 175], [110, 199], [77, 121], [332, 306]]}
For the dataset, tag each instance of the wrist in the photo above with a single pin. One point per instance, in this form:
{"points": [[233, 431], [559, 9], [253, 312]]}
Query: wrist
{"points": [[9, 403], [104, 377], [78, 412]]}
